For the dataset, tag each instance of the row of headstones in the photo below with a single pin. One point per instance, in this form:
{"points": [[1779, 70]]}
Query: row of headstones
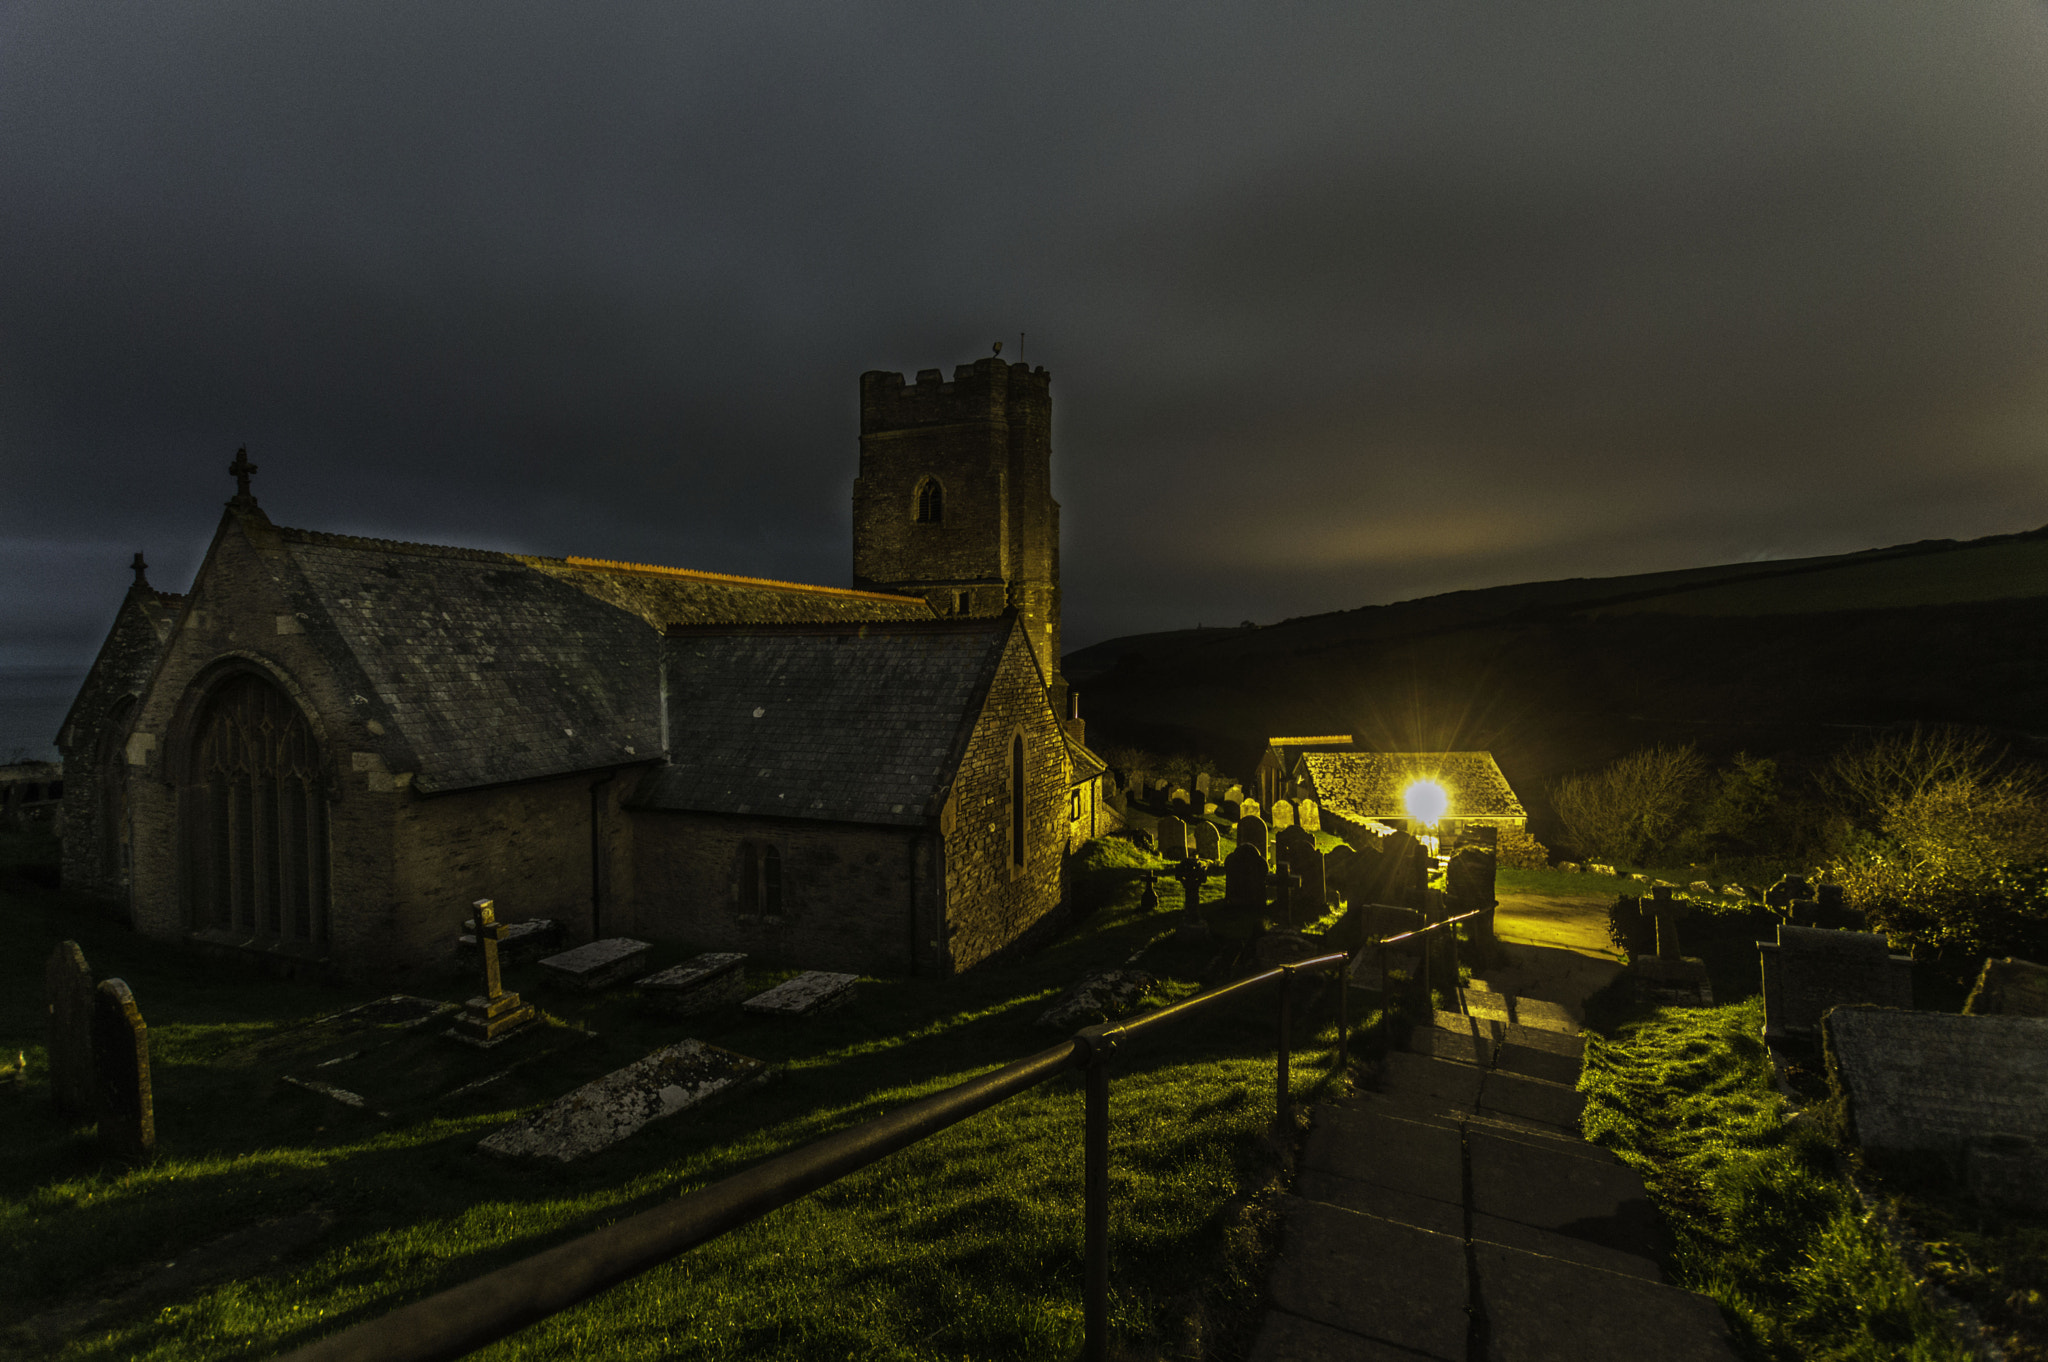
{"points": [[99, 1054], [1392, 870], [1199, 837]]}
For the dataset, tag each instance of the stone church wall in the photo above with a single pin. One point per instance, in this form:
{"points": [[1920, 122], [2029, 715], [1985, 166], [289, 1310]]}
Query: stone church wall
{"points": [[989, 904], [95, 764], [854, 898]]}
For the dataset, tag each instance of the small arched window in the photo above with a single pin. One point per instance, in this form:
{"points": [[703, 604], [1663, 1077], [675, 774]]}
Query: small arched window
{"points": [[931, 502], [1017, 800]]}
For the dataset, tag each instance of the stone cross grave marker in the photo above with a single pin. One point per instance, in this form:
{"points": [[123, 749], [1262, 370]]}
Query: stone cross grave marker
{"points": [[1296, 850], [1148, 898], [1173, 838], [68, 992], [1251, 832], [1244, 875], [1974, 1087], [120, 1052], [494, 1014], [1307, 816], [1191, 873], [1284, 882], [1811, 969], [1207, 842], [1668, 911], [1282, 815]]}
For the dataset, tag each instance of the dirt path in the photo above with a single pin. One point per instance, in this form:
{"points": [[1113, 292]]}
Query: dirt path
{"points": [[1557, 948]]}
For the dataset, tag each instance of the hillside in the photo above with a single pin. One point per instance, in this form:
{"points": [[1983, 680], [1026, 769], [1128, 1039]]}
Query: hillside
{"points": [[1782, 657]]}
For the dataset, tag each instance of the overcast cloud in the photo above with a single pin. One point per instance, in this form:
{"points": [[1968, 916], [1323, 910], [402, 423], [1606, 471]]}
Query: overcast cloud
{"points": [[1343, 303]]}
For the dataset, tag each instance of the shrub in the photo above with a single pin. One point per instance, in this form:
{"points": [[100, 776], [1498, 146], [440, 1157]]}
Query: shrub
{"points": [[1515, 849], [1631, 806]]}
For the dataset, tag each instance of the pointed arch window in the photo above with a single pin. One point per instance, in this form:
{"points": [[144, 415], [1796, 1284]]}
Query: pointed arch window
{"points": [[253, 817], [760, 879], [931, 502]]}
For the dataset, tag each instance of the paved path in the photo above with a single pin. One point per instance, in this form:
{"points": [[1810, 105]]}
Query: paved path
{"points": [[1454, 1213]]}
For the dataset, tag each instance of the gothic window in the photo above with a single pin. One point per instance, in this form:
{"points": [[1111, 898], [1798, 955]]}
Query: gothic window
{"points": [[1017, 800], [931, 502], [254, 817], [760, 879]]}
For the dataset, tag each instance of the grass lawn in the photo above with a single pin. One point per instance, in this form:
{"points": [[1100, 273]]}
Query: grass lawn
{"points": [[1762, 1216], [968, 1245]]}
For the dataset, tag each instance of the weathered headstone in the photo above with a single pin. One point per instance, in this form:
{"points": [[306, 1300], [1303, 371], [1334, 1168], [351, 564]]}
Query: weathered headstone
{"points": [[1670, 976], [1340, 867], [1811, 969], [1307, 816], [2009, 988], [1251, 832], [1244, 875], [1177, 798], [1248, 808], [1235, 794], [699, 985], [1207, 842], [120, 1054], [600, 964], [1469, 885], [68, 992], [1404, 867], [1229, 810], [1173, 838], [805, 995], [1831, 898], [494, 1014], [605, 1111], [1296, 850], [1201, 785], [1281, 815], [1974, 1087], [1098, 998], [1190, 873], [1284, 881]]}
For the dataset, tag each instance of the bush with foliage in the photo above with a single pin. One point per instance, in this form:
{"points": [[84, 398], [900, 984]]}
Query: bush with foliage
{"points": [[1515, 849], [1631, 806]]}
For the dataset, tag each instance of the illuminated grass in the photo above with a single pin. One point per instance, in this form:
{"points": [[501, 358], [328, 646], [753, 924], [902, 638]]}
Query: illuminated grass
{"points": [[965, 1246]]}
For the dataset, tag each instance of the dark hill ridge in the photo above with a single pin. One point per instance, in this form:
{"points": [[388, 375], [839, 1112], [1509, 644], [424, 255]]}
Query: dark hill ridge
{"points": [[1783, 657]]}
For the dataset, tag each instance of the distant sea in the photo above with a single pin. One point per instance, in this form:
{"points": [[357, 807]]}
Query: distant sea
{"points": [[33, 701]]}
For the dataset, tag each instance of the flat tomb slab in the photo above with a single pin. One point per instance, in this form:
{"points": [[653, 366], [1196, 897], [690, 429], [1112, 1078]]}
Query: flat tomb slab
{"points": [[699, 985], [600, 964], [1936, 1080], [810, 992], [606, 1110]]}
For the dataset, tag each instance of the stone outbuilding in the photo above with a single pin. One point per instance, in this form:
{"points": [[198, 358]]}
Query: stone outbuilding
{"points": [[1370, 787], [328, 747]]}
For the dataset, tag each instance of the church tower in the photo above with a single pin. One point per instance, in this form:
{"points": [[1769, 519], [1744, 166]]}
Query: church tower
{"points": [[954, 498]]}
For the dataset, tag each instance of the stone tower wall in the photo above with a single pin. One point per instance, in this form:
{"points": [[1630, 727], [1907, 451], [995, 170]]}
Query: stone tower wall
{"points": [[987, 437]]}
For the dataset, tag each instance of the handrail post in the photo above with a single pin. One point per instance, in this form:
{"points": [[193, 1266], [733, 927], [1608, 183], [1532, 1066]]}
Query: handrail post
{"points": [[1386, 993], [1095, 1198], [1344, 1015], [1457, 979], [1286, 1105]]}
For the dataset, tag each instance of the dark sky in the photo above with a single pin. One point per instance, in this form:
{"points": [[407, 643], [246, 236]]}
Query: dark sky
{"points": [[1343, 303]]}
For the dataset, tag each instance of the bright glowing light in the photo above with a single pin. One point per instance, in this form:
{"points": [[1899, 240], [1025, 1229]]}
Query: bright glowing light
{"points": [[1426, 802]]}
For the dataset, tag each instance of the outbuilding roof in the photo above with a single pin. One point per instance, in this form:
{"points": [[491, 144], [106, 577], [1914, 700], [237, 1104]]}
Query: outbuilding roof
{"points": [[1364, 785], [846, 723]]}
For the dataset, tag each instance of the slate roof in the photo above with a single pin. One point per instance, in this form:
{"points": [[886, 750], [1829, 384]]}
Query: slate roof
{"points": [[861, 724], [1363, 785], [495, 667]]}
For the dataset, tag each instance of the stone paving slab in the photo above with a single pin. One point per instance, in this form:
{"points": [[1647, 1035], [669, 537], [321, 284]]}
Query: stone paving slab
{"points": [[1532, 1099], [1290, 1338], [1491, 1229], [1452, 1046], [1540, 1014], [1418, 1294], [606, 1110], [1552, 1190], [1407, 1106], [1539, 1038], [805, 995], [1419, 1074], [1388, 1203], [599, 964], [1371, 1147], [1530, 1062], [1488, 1005], [1542, 1309]]}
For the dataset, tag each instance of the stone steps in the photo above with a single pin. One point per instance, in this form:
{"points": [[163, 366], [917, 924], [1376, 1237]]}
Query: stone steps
{"points": [[1454, 1213]]}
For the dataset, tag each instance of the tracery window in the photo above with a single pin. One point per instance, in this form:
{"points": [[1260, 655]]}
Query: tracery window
{"points": [[931, 502], [254, 817]]}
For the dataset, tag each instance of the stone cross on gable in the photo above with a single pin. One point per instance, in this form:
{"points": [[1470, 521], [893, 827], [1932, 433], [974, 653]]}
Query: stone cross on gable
{"points": [[241, 470], [1191, 873], [140, 568], [1667, 911]]}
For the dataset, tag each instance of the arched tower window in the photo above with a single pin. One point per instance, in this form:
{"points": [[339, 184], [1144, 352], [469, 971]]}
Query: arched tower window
{"points": [[931, 502], [253, 816], [1017, 800]]}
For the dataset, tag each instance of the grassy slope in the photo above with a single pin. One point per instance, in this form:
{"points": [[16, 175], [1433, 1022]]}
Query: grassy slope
{"points": [[1763, 1221], [967, 1245]]}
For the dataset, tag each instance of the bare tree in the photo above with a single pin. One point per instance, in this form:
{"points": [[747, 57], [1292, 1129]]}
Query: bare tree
{"points": [[1632, 806]]}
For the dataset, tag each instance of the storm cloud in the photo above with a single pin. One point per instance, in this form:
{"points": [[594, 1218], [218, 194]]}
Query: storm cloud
{"points": [[1343, 303]]}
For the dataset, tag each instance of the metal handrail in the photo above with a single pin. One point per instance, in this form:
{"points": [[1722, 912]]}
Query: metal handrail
{"points": [[1383, 942], [463, 1318]]}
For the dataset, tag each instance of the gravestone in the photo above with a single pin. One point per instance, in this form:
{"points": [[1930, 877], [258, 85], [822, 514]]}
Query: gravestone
{"points": [[493, 1015], [1469, 885], [1098, 998], [1283, 882], [69, 995], [1248, 808], [1229, 810], [1781, 894], [1811, 969], [1173, 838], [1235, 794], [1307, 816], [1670, 976], [1404, 866], [1208, 843], [1282, 815], [1178, 798], [1340, 867], [1831, 899], [1296, 850], [1244, 875], [2009, 988], [598, 965], [699, 985], [120, 1057], [1369, 923], [605, 1111], [1190, 873], [805, 995], [1972, 1088], [1251, 832], [1201, 786]]}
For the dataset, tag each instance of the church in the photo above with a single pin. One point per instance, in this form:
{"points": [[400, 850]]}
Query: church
{"points": [[329, 746]]}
